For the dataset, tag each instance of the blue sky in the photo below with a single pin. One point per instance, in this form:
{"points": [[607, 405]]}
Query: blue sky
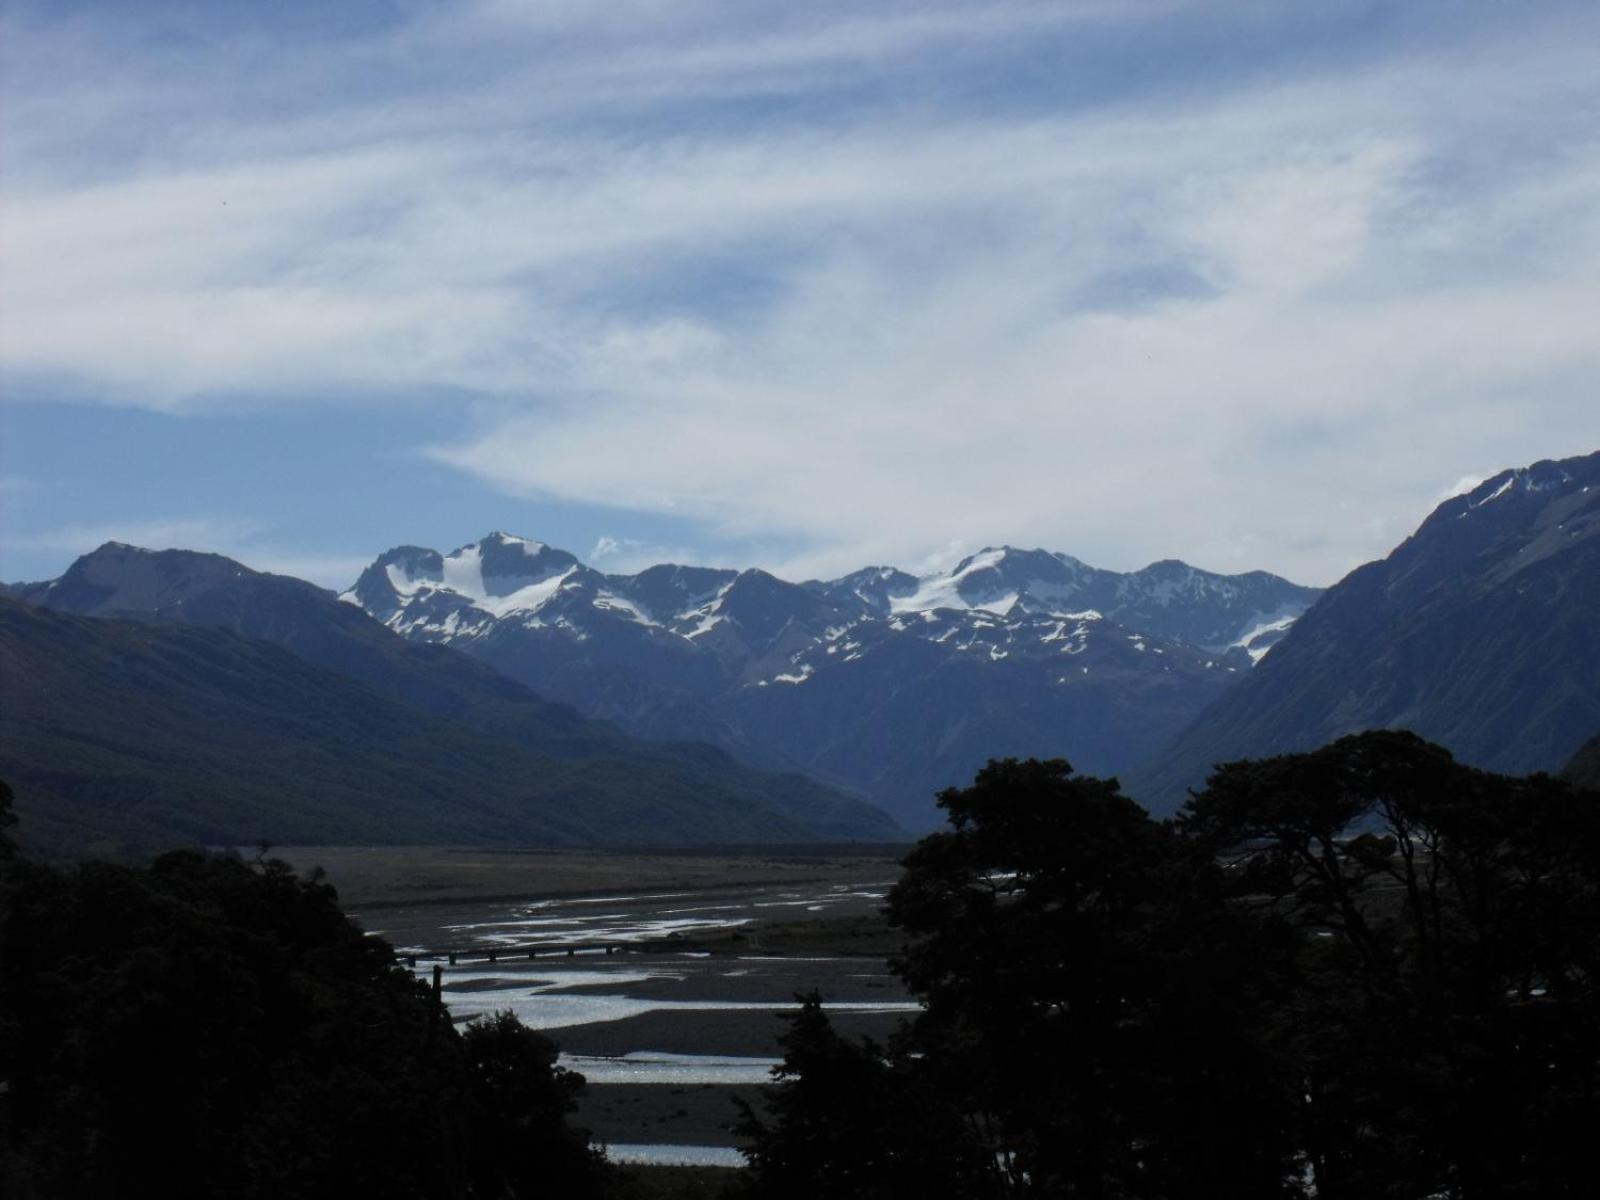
{"points": [[800, 286]]}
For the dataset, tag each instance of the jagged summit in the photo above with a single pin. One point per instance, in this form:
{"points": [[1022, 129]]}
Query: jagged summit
{"points": [[876, 587], [498, 574], [119, 578], [502, 576], [829, 675], [1547, 475]]}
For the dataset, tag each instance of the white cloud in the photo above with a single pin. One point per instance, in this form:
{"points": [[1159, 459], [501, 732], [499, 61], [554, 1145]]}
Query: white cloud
{"points": [[888, 403], [627, 556], [1459, 488], [606, 546], [1250, 323]]}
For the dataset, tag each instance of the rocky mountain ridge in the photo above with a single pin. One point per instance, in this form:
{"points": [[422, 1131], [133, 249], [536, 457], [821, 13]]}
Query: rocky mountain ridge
{"points": [[880, 681], [1480, 632]]}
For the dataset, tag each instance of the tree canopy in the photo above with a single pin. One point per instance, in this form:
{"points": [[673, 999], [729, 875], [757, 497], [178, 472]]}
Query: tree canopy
{"points": [[208, 1026], [1362, 971]]}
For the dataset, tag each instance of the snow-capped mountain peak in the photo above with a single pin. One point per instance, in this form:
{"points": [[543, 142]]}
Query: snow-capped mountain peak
{"points": [[501, 576], [1168, 598], [801, 670], [498, 575], [999, 579], [877, 588], [1540, 477]]}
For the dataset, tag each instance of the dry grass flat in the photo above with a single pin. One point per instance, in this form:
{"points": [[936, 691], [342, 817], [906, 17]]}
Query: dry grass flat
{"points": [[379, 876], [689, 1115], [675, 1183]]}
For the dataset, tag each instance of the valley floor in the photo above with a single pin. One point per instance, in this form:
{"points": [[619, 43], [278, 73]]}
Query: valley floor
{"points": [[682, 1018], [386, 876]]}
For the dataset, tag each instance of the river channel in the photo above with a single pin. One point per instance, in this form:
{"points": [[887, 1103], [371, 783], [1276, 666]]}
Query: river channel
{"points": [[667, 1038]]}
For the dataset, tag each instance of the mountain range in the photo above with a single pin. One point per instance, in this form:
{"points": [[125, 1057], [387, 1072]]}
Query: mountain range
{"points": [[688, 703], [881, 682], [228, 686]]}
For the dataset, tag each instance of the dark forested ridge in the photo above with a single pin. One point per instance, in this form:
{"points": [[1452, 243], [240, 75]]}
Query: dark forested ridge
{"points": [[1362, 971], [184, 587], [209, 1027], [130, 736], [1480, 632]]}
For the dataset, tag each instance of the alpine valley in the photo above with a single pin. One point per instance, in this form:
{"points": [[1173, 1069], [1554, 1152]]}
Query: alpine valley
{"points": [[520, 695]]}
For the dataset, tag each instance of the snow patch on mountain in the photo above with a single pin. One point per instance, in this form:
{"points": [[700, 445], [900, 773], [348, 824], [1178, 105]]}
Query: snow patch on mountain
{"points": [[1539, 478], [1264, 635], [529, 598], [611, 602], [705, 624], [943, 591], [402, 583]]}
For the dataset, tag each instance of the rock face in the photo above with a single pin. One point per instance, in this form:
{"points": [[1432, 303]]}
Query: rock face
{"points": [[615, 787], [1480, 632], [891, 685]]}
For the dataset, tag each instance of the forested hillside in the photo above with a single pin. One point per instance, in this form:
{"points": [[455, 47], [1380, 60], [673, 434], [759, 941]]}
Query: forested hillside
{"points": [[125, 736]]}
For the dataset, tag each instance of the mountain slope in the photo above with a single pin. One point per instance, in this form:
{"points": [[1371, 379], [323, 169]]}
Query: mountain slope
{"points": [[885, 683], [181, 587], [1480, 632], [119, 735], [903, 714], [185, 587]]}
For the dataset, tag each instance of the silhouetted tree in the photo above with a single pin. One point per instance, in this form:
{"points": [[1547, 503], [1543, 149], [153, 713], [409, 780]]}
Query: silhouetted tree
{"points": [[208, 1027], [525, 1099], [1089, 997], [854, 1121], [1362, 971], [1446, 1016]]}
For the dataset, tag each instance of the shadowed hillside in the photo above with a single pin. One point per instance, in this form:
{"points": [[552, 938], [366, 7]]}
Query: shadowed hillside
{"points": [[127, 736]]}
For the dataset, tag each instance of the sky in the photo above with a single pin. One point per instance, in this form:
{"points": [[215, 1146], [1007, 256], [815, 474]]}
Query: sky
{"points": [[804, 287]]}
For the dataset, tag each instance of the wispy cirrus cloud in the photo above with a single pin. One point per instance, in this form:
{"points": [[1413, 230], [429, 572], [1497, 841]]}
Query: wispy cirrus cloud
{"points": [[627, 555], [859, 287]]}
